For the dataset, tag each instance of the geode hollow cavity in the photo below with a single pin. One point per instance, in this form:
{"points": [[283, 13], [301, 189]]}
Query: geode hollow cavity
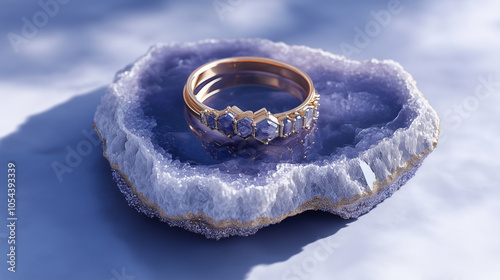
{"points": [[374, 130]]}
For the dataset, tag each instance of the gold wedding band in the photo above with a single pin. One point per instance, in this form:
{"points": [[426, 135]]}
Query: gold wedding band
{"points": [[208, 80]]}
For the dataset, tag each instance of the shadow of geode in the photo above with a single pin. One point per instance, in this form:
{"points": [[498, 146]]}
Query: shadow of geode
{"points": [[83, 217]]}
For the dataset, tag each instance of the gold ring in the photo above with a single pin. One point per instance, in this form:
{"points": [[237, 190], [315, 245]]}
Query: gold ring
{"points": [[211, 78]]}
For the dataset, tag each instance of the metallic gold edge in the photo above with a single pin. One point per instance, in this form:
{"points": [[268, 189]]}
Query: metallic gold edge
{"points": [[316, 203], [196, 107]]}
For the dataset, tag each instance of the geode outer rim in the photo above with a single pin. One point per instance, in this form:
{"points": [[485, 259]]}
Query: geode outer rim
{"points": [[205, 225]]}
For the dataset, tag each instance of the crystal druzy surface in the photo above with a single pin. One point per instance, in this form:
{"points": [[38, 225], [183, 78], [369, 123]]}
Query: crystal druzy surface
{"points": [[373, 123]]}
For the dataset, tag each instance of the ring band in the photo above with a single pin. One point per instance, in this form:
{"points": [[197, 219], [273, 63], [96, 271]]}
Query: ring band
{"points": [[208, 80]]}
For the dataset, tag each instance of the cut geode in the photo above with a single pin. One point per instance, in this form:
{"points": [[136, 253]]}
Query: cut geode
{"points": [[373, 122]]}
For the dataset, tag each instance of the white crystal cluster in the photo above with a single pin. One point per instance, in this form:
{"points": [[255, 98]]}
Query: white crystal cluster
{"points": [[374, 129]]}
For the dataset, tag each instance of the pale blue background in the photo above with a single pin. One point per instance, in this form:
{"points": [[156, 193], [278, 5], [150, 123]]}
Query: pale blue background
{"points": [[443, 224]]}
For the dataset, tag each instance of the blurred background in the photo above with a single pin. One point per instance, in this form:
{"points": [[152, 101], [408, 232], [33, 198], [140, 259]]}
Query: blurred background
{"points": [[52, 52], [442, 225]]}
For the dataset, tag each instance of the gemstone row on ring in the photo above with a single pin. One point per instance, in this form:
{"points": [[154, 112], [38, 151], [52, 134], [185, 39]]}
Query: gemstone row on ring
{"points": [[261, 125]]}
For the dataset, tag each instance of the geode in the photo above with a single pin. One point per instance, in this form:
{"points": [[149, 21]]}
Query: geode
{"points": [[373, 132]]}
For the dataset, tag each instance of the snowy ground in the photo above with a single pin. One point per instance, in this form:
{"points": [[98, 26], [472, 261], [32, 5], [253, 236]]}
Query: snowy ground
{"points": [[443, 224]]}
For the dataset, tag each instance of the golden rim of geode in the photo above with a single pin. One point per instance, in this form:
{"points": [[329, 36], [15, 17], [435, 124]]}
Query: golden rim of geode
{"points": [[316, 203]]}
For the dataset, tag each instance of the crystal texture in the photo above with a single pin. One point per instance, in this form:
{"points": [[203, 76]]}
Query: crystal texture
{"points": [[244, 127], [225, 124], [374, 123], [287, 127], [203, 118], [211, 120], [309, 115], [298, 122], [266, 130]]}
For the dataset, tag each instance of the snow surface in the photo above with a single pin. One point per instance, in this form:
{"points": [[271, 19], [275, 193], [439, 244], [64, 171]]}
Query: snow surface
{"points": [[443, 224]]}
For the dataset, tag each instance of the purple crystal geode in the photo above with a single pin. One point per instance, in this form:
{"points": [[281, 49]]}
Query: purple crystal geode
{"points": [[374, 130]]}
